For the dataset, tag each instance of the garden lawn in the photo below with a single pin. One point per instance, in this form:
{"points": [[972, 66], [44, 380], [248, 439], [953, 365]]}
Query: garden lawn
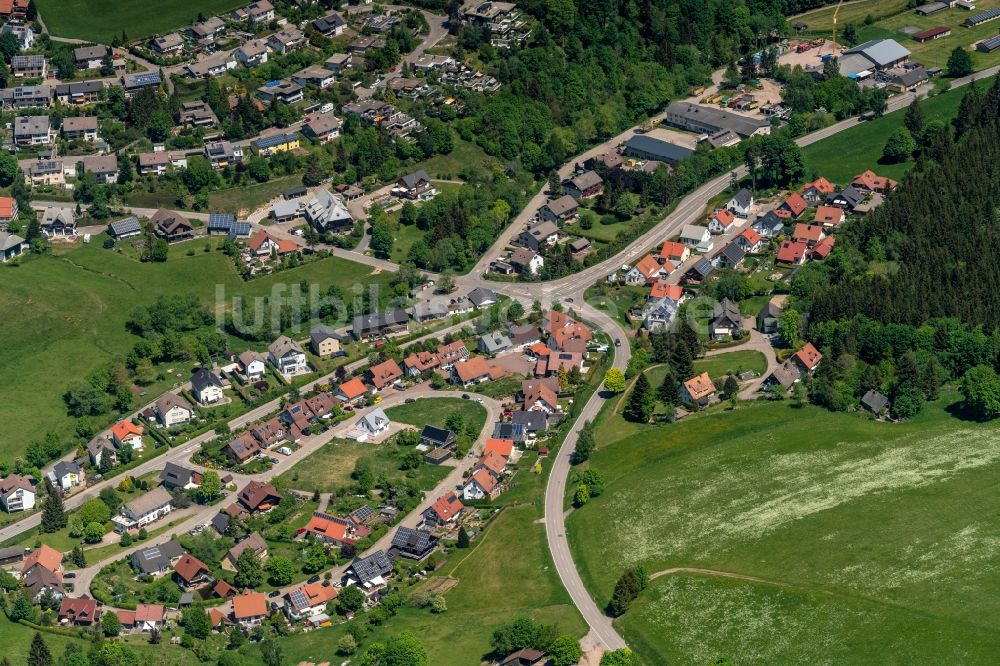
{"points": [[732, 363], [848, 153], [436, 411], [330, 467], [820, 21], [249, 198], [67, 313], [100, 21], [867, 541], [450, 167]]}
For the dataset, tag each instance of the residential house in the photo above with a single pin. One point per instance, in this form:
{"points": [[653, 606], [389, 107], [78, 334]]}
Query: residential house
{"points": [[16, 493], [283, 91], [326, 212], [524, 657], [768, 225], [646, 271], [721, 221], [750, 241], [369, 572], [249, 609], [660, 313], [741, 203], [730, 256], [540, 395], [481, 485], [822, 249], [338, 62], [810, 234], [143, 510], [807, 358], [531, 423], [33, 131], [28, 66], [334, 530], [331, 25], [413, 544], [253, 541], [26, 97], [261, 11], [674, 252], [493, 343], [322, 128], [870, 182], [324, 341], [149, 617], [210, 29], [252, 53], [21, 31], [437, 438], [585, 185], [473, 371], [167, 45], [374, 422], [172, 409], [849, 198], [550, 365], [416, 186], [156, 163], [221, 154], [384, 374], [351, 390], [417, 363], [157, 560], [565, 333], [98, 450], [90, 57], [80, 127], [309, 599], [562, 209], [451, 353], [81, 612], [538, 235], [44, 557], [206, 386], [829, 217], [875, 402], [66, 474], [699, 389], [197, 113], [216, 64], [171, 226], [192, 573], [40, 580], [58, 221], [696, 238], [429, 310], [258, 496], [79, 93], [727, 321], [287, 356], [11, 246], [263, 244], [104, 167], [769, 317], [174, 476], [133, 83], [817, 191], [251, 444], [522, 336], [251, 365], [390, 322], [785, 375], [47, 172], [314, 75], [792, 207], [792, 252]]}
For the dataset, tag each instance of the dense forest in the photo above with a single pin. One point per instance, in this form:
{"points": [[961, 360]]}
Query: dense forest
{"points": [[908, 298]]}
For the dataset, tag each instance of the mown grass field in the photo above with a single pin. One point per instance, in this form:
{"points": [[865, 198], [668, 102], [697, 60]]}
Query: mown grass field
{"points": [[868, 542], [100, 21], [436, 411], [64, 316], [848, 153]]}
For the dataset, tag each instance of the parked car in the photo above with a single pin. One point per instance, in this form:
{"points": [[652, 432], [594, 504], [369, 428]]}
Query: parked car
{"points": [[313, 579], [465, 396], [274, 593], [618, 342], [410, 400]]}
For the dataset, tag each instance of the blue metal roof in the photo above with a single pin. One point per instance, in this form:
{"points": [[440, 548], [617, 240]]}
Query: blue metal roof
{"points": [[273, 140], [220, 221], [983, 17]]}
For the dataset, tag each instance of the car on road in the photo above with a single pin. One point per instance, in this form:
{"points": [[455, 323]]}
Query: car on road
{"points": [[618, 342], [409, 401], [313, 579], [69, 574], [568, 299], [479, 400], [274, 593], [465, 396]]}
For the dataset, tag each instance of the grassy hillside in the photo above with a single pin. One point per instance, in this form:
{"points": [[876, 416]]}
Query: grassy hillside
{"points": [[827, 537], [100, 21], [66, 313]]}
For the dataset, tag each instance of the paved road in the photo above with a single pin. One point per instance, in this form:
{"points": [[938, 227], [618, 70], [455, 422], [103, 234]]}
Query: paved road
{"points": [[757, 342]]}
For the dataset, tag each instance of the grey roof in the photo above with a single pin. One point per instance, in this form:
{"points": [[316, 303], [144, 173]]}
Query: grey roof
{"points": [[79, 123], [881, 52], [413, 542], [717, 118], [733, 253], [480, 296], [786, 374], [29, 125], [875, 401], [586, 180], [693, 232], [284, 346], [533, 421], [376, 321], [128, 225], [329, 22], [743, 198], [660, 150], [769, 221], [437, 436], [727, 311], [220, 522], [428, 309], [326, 208], [322, 124], [90, 52], [64, 467], [9, 240], [562, 205], [168, 401], [322, 332], [411, 180], [853, 63], [175, 475], [852, 195], [372, 566], [911, 77], [375, 419], [143, 504], [494, 342], [156, 558]]}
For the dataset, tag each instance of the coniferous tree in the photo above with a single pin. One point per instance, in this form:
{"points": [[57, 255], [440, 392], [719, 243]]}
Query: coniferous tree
{"points": [[914, 118], [640, 402], [670, 390], [38, 653], [53, 514]]}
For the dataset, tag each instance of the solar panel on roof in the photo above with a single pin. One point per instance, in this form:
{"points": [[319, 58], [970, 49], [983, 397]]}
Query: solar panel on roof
{"points": [[983, 17], [991, 44], [240, 228], [298, 599]]}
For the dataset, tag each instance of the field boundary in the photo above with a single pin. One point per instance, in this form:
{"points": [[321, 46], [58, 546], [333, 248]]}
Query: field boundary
{"points": [[717, 573]]}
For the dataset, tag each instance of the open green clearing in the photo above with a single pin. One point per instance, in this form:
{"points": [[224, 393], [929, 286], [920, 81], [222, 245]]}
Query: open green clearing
{"points": [[732, 363], [66, 317], [820, 21], [100, 21], [870, 539], [450, 167], [848, 153], [436, 411]]}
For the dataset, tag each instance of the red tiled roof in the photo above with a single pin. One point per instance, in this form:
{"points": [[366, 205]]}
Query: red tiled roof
{"points": [[125, 429], [385, 373], [7, 206], [821, 184], [823, 248], [672, 250], [751, 236], [447, 507], [724, 216], [829, 216], [809, 233], [248, 605], [502, 447], [472, 368], [353, 388], [700, 386], [809, 356], [796, 204], [791, 252], [149, 613], [46, 556], [486, 481], [189, 567], [648, 266]]}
